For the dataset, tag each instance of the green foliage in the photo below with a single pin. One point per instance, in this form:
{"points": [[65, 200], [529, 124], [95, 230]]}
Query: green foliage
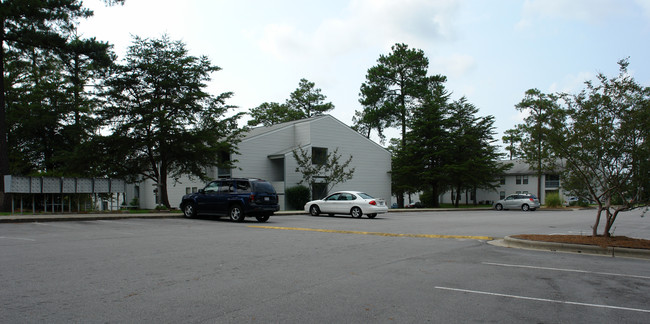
{"points": [[297, 197], [553, 200], [428, 200], [46, 68], [601, 135], [534, 132], [332, 172], [163, 123], [306, 101], [393, 87]]}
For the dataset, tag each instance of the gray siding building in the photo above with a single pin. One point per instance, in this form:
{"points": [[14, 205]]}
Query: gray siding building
{"points": [[266, 153]]}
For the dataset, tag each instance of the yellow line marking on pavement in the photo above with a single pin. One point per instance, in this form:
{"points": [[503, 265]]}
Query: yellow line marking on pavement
{"points": [[376, 233]]}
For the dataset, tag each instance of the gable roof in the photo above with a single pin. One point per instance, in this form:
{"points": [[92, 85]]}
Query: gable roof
{"points": [[265, 130], [262, 130]]}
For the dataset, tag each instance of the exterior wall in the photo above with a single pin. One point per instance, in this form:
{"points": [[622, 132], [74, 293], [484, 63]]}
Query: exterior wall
{"points": [[372, 162], [261, 156]]}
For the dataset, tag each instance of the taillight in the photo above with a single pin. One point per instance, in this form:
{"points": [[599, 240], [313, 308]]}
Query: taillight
{"points": [[372, 202], [531, 199], [252, 197]]}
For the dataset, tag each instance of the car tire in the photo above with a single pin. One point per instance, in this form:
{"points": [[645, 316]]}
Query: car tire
{"points": [[498, 207], [372, 215], [525, 207], [314, 210], [356, 212], [236, 213], [262, 219], [189, 210]]}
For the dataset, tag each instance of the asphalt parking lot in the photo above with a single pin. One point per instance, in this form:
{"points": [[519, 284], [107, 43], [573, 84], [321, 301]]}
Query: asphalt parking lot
{"points": [[397, 268]]}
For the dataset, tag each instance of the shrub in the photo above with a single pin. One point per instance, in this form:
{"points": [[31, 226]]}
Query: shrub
{"points": [[297, 197], [553, 200], [426, 198]]}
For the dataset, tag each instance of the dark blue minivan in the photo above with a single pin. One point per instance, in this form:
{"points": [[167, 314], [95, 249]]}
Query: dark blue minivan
{"points": [[236, 198]]}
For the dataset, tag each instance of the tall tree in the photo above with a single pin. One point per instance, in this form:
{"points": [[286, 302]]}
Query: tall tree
{"points": [[163, 122], [418, 164], [536, 151], [471, 162], [271, 113], [30, 24], [513, 139], [306, 101], [393, 88], [601, 134]]}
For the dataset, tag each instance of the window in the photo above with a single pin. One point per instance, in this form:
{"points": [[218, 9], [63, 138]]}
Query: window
{"points": [[243, 186], [502, 180], [552, 181], [188, 190], [227, 187], [212, 187], [525, 179], [518, 180], [318, 155], [502, 195]]}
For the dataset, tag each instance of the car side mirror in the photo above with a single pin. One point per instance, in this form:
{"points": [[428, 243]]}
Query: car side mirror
{"points": [[201, 191]]}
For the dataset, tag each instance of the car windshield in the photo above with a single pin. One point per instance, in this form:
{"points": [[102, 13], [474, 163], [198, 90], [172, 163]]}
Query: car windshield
{"points": [[263, 187], [365, 196]]}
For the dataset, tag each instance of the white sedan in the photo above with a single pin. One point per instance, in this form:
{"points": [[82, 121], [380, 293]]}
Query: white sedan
{"points": [[353, 203]]}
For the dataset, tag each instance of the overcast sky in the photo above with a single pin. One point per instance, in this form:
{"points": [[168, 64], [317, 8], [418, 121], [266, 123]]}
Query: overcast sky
{"points": [[491, 51]]}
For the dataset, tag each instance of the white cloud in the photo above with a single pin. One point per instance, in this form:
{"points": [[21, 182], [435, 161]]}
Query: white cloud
{"points": [[571, 83], [363, 24], [454, 66], [587, 11]]}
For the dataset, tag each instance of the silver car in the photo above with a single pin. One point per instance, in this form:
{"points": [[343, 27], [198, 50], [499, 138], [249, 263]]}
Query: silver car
{"points": [[524, 202]]}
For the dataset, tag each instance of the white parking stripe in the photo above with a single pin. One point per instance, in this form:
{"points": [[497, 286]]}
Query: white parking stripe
{"points": [[545, 300], [565, 270], [17, 238]]}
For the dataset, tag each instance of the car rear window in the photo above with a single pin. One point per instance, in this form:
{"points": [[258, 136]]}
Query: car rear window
{"points": [[365, 195], [263, 187]]}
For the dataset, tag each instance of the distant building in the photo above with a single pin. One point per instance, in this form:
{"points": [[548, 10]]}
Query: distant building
{"points": [[518, 179], [266, 153]]}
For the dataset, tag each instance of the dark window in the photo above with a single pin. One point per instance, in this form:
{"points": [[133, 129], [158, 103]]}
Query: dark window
{"points": [[518, 180], [318, 155], [333, 197], [226, 187], [243, 186], [263, 187], [525, 179], [502, 180]]}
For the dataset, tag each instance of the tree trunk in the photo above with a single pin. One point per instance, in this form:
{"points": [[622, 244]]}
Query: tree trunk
{"points": [[4, 149], [434, 194]]}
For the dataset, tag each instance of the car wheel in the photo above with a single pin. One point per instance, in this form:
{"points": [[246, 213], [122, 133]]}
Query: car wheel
{"points": [[356, 212], [525, 207], [372, 215], [498, 207], [262, 219], [236, 213], [313, 210], [189, 210]]}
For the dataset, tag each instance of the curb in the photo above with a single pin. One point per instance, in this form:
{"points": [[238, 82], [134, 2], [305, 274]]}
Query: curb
{"points": [[512, 242]]}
